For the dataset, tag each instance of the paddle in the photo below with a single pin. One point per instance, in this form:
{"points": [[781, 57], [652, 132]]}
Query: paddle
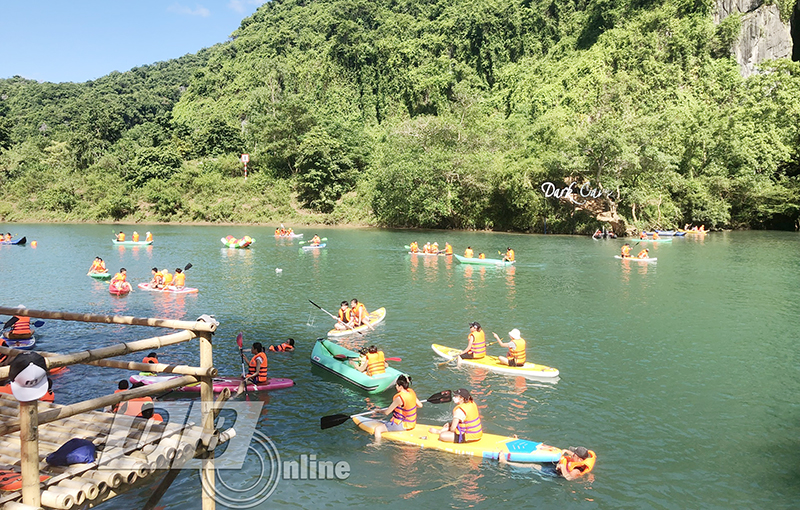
{"points": [[333, 420], [321, 240], [337, 319], [342, 357], [239, 342]]}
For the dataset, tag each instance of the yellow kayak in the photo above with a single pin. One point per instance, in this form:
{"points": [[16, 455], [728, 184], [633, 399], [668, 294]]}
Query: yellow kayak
{"points": [[490, 446], [374, 318], [493, 364]]}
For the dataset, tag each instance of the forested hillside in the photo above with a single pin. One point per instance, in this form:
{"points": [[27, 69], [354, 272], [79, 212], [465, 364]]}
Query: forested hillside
{"points": [[422, 113]]}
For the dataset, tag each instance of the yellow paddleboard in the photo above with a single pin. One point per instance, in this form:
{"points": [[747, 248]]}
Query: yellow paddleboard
{"points": [[493, 364], [374, 318]]}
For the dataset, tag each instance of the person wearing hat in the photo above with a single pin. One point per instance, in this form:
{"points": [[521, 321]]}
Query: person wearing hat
{"points": [[575, 461], [28, 374], [466, 424], [148, 237], [135, 237], [476, 346], [516, 349], [509, 256], [403, 409], [643, 254]]}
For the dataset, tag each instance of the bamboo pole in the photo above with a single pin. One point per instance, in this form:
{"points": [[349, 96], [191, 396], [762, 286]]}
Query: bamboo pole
{"points": [[141, 367], [29, 452], [13, 505], [95, 403], [207, 408], [60, 360], [57, 500], [78, 495], [110, 319]]}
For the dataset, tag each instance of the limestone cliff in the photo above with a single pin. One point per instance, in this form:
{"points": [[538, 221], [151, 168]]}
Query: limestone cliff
{"points": [[764, 35]]}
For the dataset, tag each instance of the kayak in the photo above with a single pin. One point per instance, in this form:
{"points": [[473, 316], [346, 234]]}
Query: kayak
{"points": [[374, 318], [220, 383], [313, 246], [672, 233], [169, 290], [100, 276], [637, 259], [493, 364], [483, 262], [694, 232], [651, 240], [131, 243], [323, 356], [118, 291], [489, 446], [20, 343], [232, 242], [19, 241]]}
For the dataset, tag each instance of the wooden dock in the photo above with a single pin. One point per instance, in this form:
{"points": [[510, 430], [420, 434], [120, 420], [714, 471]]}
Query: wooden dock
{"points": [[131, 450]]}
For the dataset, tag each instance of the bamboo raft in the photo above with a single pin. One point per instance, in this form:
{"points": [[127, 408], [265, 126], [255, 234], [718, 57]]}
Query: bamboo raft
{"points": [[132, 451]]}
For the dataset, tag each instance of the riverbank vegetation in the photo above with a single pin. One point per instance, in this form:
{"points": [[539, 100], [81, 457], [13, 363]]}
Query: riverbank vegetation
{"points": [[421, 114]]}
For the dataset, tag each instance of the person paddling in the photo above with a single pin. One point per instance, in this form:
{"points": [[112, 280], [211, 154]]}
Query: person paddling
{"points": [[476, 346], [403, 409], [257, 368], [345, 317], [466, 424], [516, 349], [509, 256], [316, 241], [121, 236]]}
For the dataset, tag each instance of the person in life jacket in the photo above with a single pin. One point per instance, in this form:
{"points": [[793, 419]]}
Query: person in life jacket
{"points": [[133, 407], [3, 357], [448, 250], [98, 266], [157, 281], [179, 281], [135, 237], [642, 235], [288, 345], [49, 396], [123, 385], [167, 277], [151, 359], [468, 253], [466, 424], [376, 364], [626, 250], [403, 409], [345, 317], [21, 329], [148, 237], [414, 248], [481, 255], [359, 314], [476, 346], [148, 413], [120, 281], [257, 369], [576, 461], [8, 237], [598, 234], [516, 349], [509, 256], [435, 247], [121, 236], [316, 240], [643, 254], [655, 235]]}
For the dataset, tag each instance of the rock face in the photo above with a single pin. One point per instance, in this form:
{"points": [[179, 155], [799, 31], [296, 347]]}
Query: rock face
{"points": [[763, 37]]}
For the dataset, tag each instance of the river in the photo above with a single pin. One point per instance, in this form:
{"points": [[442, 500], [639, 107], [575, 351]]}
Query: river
{"points": [[681, 375]]}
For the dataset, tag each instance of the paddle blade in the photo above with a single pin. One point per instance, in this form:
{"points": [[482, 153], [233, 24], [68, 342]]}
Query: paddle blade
{"points": [[342, 357], [10, 322], [239, 339], [38, 324], [441, 398], [188, 266], [393, 359], [333, 420]]}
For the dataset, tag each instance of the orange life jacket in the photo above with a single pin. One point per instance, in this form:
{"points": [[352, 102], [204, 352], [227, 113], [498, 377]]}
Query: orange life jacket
{"points": [[21, 329], [115, 407], [149, 237], [282, 347], [468, 253], [626, 251], [448, 250], [470, 427], [135, 237], [375, 363], [121, 237], [565, 465], [482, 256], [478, 348], [414, 247], [167, 278], [642, 254], [48, 397], [12, 481], [119, 277], [510, 255], [518, 352], [261, 378], [643, 236], [406, 413], [3, 343], [133, 407], [358, 314], [149, 359], [180, 280], [345, 315]]}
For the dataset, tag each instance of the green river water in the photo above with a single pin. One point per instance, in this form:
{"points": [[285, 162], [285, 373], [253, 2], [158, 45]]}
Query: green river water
{"points": [[682, 375]]}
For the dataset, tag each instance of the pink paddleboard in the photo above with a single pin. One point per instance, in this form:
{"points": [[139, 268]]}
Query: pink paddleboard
{"points": [[232, 383]]}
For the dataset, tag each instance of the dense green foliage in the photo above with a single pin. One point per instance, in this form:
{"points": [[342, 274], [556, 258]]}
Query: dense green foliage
{"points": [[422, 114]]}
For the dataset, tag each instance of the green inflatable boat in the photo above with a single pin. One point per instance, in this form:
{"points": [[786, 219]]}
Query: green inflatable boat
{"points": [[325, 354]]}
